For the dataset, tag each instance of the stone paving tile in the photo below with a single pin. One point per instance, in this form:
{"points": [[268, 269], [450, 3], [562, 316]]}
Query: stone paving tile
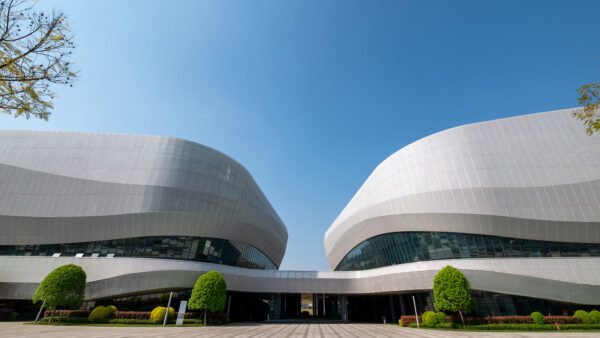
{"points": [[19, 330]]}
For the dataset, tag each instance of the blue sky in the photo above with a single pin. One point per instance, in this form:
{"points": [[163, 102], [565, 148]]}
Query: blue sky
{"points": [[311, 95]]}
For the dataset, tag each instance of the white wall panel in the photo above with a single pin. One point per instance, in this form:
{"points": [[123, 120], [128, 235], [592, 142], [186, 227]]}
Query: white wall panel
{"points": [[62, 187], [532, 177]]}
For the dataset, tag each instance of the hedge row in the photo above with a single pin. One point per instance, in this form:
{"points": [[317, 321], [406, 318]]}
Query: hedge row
{"points": [[109, 314], [515, 327], [82, 320], [145, 315], [67, 313], [534, 327], [407, 320], [117, 314], [151, 322]]}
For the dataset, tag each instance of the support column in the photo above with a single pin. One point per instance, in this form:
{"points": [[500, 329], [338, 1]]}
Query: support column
{"points": [[394, 319], [403, 309], [343, 307], [275, 312]]}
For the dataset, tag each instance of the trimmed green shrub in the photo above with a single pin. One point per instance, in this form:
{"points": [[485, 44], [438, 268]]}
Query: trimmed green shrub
{"points": [[441, 317], [133, 314], [400, 322], [67, 313], [446, 326], [583, 315], [513, 327], [158, 314], [594, 317], [58, 320], [429, 318], [100, 313], [532, 327], [406, 320], [432, 319], [537, 318], [132, 321], [110, 311]]}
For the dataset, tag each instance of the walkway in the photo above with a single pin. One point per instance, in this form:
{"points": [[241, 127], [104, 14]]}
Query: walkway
{"points": [[18, 330]]}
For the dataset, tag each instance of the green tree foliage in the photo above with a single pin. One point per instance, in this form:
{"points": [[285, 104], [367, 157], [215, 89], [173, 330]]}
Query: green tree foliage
{"points": [[209, 293], [583, 315], [537, 318], [594, 317], [62, 287], [589, 98], [441, 317], [158, 314], [452, 291], [34, 52]]}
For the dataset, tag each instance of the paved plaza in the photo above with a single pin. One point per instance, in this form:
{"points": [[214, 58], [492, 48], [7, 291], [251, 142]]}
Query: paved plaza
{"points": [[19, 330]]}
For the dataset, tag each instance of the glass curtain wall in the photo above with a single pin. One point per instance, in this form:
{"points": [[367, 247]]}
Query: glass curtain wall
{"points": [[210, 250], [406, 247]]}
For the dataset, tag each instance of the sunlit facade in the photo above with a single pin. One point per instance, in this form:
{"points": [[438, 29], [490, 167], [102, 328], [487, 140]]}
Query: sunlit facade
{"points": [[513, 203]]}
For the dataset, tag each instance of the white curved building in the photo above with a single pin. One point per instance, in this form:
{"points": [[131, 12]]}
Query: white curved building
{"points": [[513, 203], [102, 196]]}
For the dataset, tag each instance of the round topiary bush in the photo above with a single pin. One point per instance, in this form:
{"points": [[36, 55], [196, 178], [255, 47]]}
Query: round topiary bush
{"points": [[594, 317], [441, 317], [537, 318], [158, 314], [98, 314], [429, 318], [583, 315], [110, 311]]}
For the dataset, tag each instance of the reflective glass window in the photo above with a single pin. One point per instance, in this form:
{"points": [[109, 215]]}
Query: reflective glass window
{"points": [[211, 250], [407, 247]]}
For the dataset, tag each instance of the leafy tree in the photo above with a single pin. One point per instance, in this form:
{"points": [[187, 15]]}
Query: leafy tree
{"points": [[34, 51], [209, 293], [589, 98], [594, 317], [452, 291], [582, 315], [62, 287]]}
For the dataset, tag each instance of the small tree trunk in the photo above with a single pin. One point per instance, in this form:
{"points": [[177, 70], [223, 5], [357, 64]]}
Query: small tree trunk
{"points": [[51, 316], [462, 319], [205, 311]]}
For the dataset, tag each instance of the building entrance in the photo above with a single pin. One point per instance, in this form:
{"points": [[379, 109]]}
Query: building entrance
{"points": [[306, 306]]}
